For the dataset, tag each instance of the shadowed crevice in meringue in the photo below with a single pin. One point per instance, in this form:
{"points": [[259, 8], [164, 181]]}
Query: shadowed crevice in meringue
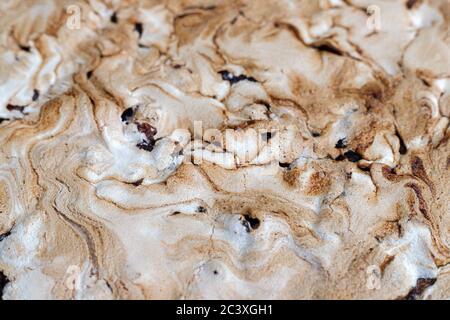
{"points": [[137, 183], [412, 3], [365, 168], [25, 48], [422, 203], [5, 235], [402, 149], [326, 47], [418, 170]]}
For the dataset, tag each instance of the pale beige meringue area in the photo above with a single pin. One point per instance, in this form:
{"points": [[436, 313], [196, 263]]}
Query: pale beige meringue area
{"points": [[100, 103]]}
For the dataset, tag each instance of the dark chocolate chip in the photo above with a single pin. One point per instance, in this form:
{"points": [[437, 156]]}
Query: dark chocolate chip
{"points": [[228, 76], [11, 107], [284, 164], [89, 74], [250, 223], [138, 27], [35, 95], [114, 17], [266, 136], [315, 134], [201, 209], [352, 156], [341, 143], [146, 145], [127, 114], [147, 129]]}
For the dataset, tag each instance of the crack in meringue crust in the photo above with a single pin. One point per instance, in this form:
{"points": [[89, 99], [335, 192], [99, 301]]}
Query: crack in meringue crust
{"points": [[224, 149]]}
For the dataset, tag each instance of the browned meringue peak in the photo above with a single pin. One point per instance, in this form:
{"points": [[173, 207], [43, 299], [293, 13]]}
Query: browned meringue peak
{"points": [[428, 53], [39, 54], [322, 172], [376, 32]]}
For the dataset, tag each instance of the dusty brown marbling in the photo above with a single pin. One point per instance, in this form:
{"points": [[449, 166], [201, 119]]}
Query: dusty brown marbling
{"points": [[98, 197]]}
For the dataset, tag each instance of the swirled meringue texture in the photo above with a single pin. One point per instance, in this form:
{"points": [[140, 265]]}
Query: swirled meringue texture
{"points": [[98, 105]]}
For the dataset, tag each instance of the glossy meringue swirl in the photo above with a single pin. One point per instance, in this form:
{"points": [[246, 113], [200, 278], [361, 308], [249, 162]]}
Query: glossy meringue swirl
{"points": [[100, 193]]}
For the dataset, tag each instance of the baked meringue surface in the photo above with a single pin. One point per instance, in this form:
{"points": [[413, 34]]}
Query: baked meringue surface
{"points": [[137, 156]]}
